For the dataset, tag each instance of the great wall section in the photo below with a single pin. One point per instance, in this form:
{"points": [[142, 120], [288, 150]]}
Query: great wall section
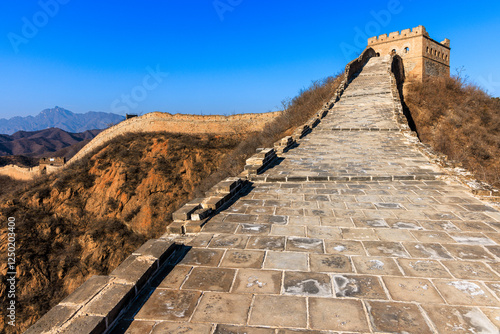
{"points": [[344, 227], [156, 122]]}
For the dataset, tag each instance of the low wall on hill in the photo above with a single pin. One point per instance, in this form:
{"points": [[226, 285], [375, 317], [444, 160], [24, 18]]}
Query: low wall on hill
{"points": [[180, 123], [20, 173]]}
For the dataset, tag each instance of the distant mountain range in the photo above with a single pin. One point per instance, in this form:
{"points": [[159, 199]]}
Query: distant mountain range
{"points": [[60, 118], [51, 142]]}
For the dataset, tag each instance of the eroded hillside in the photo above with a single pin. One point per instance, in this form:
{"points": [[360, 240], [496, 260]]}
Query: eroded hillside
{"points": [[87, 219]]}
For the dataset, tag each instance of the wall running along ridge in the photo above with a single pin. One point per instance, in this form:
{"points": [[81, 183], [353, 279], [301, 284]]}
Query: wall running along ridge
{"points": [[157, 122]]}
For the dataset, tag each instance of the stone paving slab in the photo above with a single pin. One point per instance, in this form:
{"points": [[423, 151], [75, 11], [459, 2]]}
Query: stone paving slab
{"points": [[383, 243]]}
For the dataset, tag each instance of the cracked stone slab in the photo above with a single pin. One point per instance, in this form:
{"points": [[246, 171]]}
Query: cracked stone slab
{"points": [[243, 259], [427, 250], [469, 252], [390, 317], [344, 247], [457, 319], [307, 284], [376, 265], [470, 270], [280, 311], [358, 286], [202, 257], [459, 292], [228, 241], [330, 263], [412, 289], [210, 279], [286, 260], [226, 329], [305, 245], [172, 305], [258, 281], [266, 242], [337, 314], [385, 248], [223, 308], [180, 328], [423, 268]]}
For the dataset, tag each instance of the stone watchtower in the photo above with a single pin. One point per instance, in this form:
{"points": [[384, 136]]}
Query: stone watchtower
{"points": [[422, 56]]}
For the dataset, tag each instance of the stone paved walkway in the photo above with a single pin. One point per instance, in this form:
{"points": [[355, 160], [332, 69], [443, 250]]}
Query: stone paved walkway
{"points": [[387, 248]]}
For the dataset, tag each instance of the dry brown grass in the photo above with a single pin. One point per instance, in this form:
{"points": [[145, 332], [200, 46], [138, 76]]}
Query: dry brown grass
{"points": [[460, 120]]}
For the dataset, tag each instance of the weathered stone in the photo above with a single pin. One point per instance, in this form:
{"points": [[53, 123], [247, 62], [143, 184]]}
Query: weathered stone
{"points": [[397, 318], [136, 270], [57, 316], [362, 286], [223, 308], [172, 305], [258, 281], [307, 284], [110, 301], [86, 325], [87, 290], [157, 248], [279, 311], [337, 314], [210, 279]]}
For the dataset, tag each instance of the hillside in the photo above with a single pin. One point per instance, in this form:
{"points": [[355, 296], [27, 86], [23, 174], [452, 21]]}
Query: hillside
{"points": [[43, 142], [61, 118], [461, 121], [89, 218]]}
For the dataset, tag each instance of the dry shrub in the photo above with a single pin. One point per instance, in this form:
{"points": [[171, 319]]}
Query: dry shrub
{"points": [[460, 120]]}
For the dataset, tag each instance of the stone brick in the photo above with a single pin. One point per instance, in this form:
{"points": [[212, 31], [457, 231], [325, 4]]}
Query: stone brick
{"points": [[223, 308], [87, 290], [279, 311], [171, 305], [86, 325], [358, 286], [412, 289], [210, 279], [337, 314], [111, 301], [390, 317], [157, 248], [258, 281], [57, 316], [136, 270]]}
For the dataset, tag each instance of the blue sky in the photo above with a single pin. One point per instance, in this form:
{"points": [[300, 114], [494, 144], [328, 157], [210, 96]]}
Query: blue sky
{"points": [[212, 57]]}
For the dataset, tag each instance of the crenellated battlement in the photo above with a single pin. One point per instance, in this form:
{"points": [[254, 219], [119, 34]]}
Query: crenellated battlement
{"points": [[396, 35]]}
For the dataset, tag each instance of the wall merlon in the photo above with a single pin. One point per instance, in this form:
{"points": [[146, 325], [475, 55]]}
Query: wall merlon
{"points": [[405, 33]]}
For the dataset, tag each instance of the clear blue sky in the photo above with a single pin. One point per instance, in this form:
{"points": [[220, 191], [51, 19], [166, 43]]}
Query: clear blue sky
{"points": [[223, 56]]}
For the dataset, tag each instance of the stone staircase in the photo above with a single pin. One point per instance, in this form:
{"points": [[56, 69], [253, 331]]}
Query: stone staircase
{"points": [[353, 231]]}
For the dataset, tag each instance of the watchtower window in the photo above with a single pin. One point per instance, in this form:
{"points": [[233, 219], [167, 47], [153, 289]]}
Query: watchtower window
{"points": [[427, 49], [407, 49], [393, 51]]}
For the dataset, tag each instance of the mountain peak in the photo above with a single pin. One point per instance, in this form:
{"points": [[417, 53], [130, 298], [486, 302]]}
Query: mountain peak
{"points": [[59, 117]]}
